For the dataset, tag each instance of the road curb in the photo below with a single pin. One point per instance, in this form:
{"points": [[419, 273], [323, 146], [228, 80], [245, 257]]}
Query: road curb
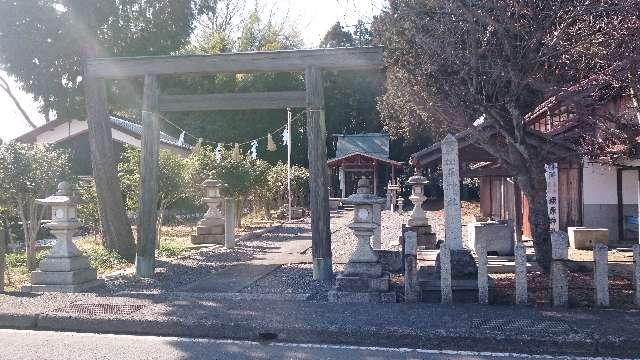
{"points": [[441, 340]]}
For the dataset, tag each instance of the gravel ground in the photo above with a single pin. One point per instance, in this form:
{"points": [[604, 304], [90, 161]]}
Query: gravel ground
{"points": [[173, 274]]}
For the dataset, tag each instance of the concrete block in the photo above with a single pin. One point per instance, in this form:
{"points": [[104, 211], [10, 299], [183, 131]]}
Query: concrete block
{"points": [[520, 251], [207, 239], [360, 284], [57, 264], [73, 288], [370, 269], [584, 238], [498, 236], [601, 274], [63, 277]]}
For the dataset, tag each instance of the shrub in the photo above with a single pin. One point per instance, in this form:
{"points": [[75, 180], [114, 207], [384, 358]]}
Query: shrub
{"points": [[104, 260], [172, 250]]}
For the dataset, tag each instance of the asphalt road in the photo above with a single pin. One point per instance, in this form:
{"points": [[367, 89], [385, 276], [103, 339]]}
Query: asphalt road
{"points": [[41, 345]]}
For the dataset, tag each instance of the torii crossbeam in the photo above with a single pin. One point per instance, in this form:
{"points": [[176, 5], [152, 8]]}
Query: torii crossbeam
{"points": [[312, 62]]}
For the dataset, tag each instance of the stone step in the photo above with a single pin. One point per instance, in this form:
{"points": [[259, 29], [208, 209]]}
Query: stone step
{"points": [[360, 284], [63, 277], [361, 297]]}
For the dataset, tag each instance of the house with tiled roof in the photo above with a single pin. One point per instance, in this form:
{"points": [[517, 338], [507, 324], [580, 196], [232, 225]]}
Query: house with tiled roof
{"points": [[590, 192], [74, 136]]}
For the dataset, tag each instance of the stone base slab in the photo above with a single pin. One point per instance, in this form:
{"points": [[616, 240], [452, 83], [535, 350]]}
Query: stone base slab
{"points": [[361, 297], [217, 229], [364, 269], [57, 264], [360, 284], [207, 239], [464, 290], [73, 288], [584, 238], [63, 277]]}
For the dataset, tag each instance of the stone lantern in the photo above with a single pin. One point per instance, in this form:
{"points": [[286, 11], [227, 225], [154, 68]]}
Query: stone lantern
{"points": [[418, 221], [64, 269], [362, 279], [418, 216], [210, 229]]}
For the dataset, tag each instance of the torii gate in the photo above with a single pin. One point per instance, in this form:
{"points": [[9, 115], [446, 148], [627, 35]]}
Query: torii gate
{"points": [[312, 62]]}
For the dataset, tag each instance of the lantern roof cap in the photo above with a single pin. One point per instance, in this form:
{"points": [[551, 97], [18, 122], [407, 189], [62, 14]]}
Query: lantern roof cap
{"points": [[363, 195], [417, 178], [64, 196]]}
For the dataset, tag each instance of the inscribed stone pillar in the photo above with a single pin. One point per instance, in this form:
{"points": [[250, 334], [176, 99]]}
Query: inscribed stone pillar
{"points": [[410, 267], [521, 273], [636, 273], [229, 223], [601, 274], [446, 292], [451, 187], [559, 272], [3, 261], [483, 275]]}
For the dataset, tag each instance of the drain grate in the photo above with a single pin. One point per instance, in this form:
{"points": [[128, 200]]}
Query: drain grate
{"points": [[100, 309], [520, 325]]}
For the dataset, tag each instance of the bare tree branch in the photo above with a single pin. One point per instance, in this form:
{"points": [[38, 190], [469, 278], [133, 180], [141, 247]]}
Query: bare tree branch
{"points": [[7, 90]]}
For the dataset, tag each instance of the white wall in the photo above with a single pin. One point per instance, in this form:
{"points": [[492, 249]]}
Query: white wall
{"points": [[62, 132], [600, 185]]}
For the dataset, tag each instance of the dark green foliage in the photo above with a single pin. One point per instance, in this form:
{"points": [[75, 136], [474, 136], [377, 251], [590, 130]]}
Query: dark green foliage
{"points": [[43, 42]]}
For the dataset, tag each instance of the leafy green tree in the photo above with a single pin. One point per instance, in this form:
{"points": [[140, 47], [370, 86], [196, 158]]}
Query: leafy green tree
{"points": [[88, 208], [43, 42], [171, 179], [28, 172], [254, 33], [243, 177]]}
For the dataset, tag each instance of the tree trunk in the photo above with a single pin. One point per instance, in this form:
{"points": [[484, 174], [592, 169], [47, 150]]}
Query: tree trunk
{"points": [[159, 225], [116, 229], [534, 187], [239, 207]]}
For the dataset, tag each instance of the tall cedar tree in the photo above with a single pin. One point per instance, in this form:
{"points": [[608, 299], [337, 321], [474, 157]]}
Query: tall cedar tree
{"points": [[450, 63]]}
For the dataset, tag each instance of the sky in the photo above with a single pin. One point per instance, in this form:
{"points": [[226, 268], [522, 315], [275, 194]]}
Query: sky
{"points": [[313, 18]]}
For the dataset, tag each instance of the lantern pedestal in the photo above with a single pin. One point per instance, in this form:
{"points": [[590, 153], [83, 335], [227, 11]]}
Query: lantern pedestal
{"points": [[363, 280], [64, 269], [210, 229]]}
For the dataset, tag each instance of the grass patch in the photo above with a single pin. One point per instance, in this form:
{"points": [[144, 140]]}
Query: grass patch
{"points": [[171, 249], [104, 260]]}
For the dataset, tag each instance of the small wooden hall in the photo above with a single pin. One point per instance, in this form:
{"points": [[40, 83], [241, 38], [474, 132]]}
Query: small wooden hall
{"points": [[361, 155]]}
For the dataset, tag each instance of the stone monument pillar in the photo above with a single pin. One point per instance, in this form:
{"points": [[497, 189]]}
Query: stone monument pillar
{"points": [[463, 264], [455, 277], [363, 279], [210, 229], [392, 191], [64, 269], [418, 221]]}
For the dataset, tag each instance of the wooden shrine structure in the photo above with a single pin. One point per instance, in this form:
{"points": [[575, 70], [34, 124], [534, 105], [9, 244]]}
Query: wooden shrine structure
{"points": [[361, 155], [312, 62]]}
